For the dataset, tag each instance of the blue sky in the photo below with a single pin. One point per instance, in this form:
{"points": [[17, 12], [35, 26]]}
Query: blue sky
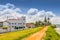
{"points": [[48, 5], [33, 9]]}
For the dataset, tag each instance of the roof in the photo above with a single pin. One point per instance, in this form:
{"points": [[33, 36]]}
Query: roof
{"points": [[11, 19], [15, 19], [29, 24]]}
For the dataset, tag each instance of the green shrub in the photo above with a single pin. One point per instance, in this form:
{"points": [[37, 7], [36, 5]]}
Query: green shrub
{"points": [[53, 26], [51, 34], [4, 27]]}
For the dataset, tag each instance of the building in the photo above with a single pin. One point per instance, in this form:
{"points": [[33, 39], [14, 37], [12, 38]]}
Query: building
{"points": [[13, 24], [30, 25]]}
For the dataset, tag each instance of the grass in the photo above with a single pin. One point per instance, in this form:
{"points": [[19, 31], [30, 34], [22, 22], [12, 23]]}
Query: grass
{"points": [[51, 34], [18, 35]]}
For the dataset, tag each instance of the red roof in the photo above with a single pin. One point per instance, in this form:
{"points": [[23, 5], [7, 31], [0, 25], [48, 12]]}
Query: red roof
{"points": [[29, 24]]}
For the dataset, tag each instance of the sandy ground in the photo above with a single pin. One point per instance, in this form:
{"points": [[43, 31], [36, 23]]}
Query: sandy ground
{"points": [[38, 36]]}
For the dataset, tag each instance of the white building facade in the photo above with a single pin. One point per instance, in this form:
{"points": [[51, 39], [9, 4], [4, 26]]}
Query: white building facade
{"points": [[13, 24]]}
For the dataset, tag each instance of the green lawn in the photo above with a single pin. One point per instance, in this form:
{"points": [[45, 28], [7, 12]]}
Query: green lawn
{"points": [[18, 35], [51, 34]]}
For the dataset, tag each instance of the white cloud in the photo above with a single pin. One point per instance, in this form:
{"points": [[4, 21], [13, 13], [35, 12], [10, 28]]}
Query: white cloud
{"points": [[18, 10], [11, 6], [55, 20], [32, 11], [9, 10], [50, 13], [39, 14], [44, 13], [32, 15], [2, 7]]}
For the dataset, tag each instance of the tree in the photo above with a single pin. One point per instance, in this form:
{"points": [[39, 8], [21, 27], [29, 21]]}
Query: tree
{"points": [[32, 23], [45, 20], [36, 24], [48, 19], [39, 23]]}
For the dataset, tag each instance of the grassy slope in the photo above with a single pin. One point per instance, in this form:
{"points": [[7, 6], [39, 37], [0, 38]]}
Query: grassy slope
{"points": [[18, 34], [51, 34]]}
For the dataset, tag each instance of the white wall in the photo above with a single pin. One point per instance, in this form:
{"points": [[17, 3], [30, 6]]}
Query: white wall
{"points": [[17, 23], [5, 23]]}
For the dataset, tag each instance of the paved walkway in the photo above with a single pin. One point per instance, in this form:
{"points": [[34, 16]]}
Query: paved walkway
{"points": [[39, 35]]}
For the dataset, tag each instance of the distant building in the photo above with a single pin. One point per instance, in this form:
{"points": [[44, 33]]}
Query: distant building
{"points": [[30, 25], [12, 24]]}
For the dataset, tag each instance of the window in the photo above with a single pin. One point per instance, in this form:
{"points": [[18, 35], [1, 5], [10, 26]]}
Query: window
{"points": [[24, 19], [19, 23], [12, 26], [23, 23], [1, 24], [12, 23], [9, 23], [15, 23]]}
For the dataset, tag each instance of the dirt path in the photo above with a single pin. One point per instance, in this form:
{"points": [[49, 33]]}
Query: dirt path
{"points": [[37, 36]]}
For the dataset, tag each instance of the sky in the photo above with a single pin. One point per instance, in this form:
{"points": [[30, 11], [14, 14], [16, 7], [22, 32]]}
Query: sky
{"points": [[32, 9], [52, 5]]}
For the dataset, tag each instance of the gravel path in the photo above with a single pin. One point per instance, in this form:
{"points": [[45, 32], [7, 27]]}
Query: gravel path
{"points": [[37, 36]]}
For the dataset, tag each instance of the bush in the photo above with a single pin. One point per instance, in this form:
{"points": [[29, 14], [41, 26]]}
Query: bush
{"points": [[53, 26], [5, 27], [21, 27], [16, 27]]}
